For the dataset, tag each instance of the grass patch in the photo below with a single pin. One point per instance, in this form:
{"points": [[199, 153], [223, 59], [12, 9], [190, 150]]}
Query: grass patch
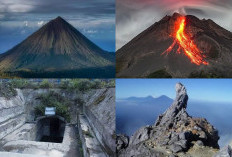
{"points": [[87, 133], [84, 85], [7, 90], [45, 84], [99, 99]]}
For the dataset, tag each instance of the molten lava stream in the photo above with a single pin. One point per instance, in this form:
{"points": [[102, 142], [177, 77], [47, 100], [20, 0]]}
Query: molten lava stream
{"points": [[187, 45]]}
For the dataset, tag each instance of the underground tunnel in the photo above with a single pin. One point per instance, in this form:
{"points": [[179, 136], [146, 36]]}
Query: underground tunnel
{"points": [[50, 129]]}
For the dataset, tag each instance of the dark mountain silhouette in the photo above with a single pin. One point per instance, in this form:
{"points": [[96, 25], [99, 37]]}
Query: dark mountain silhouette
{"points": [[150, 99], [57, 50], [142, 56], [135, 112]]}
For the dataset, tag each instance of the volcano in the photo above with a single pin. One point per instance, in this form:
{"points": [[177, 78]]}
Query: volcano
{"points": [[57, 50], [177, 46]]}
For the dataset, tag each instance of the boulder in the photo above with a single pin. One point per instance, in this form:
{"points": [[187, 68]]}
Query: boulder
{"points": [[225, 152], [122, 142], [183, 128]]}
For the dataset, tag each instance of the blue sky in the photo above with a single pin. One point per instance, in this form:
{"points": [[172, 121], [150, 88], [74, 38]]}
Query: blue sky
{"points": [[20, 18], [213, 90]]}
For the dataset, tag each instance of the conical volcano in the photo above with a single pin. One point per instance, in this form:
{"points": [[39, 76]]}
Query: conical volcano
{"points": [[178, 46], [57, 50]]}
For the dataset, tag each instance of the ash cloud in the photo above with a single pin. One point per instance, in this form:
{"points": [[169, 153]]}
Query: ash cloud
{"points": [[134, 16]]}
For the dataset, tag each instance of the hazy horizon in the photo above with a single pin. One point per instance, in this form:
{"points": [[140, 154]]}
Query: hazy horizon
{"points": [[209, 90]]}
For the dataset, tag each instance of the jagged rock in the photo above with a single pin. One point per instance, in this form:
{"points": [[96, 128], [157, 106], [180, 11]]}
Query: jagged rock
{"points": [[184, 129], [174, 131], [199, 143], [225, 152], [141, 135], [122, 142], [175, 148]]}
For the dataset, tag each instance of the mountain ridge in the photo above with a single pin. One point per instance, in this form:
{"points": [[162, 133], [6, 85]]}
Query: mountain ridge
{"points": [[149, 97]]}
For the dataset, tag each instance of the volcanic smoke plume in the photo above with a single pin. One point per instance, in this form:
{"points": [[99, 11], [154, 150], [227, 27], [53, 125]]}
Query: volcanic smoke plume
{"points": [[178, 46]]}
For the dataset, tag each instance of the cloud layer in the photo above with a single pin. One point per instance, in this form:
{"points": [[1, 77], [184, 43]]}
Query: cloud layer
{"points": [[20, 18], [134, 16]]}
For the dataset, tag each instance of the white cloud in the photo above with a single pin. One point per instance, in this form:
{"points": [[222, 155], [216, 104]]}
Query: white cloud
{"points": [[25, 23], [91, 31], [19, 8], [40, 23]]}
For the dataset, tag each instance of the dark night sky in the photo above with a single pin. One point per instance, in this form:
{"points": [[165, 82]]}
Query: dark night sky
{"points": [[20, 18], [134, 16]]}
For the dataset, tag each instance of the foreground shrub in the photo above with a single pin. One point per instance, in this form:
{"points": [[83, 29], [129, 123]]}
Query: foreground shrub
{"points": [[53, 99]]}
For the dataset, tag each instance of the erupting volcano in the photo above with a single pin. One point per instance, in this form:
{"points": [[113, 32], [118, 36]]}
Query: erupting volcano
{"points": [[186, 44], [177, 46]]}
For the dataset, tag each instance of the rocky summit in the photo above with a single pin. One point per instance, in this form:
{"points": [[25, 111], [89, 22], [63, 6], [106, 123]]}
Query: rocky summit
{"points": [[174, 133]]}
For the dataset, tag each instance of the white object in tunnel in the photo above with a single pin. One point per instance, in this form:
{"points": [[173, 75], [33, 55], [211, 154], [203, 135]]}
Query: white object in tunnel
{"points": [[50, 111]]}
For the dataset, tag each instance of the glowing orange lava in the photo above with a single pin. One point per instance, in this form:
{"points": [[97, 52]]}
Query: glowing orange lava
{"points": [[187, 45]]}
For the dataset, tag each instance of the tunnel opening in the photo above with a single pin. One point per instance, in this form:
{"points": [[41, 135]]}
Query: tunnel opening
{"points": [[50, 129]]}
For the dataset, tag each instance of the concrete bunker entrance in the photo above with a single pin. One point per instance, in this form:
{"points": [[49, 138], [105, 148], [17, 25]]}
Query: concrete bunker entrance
{"points": [[50, 129]]}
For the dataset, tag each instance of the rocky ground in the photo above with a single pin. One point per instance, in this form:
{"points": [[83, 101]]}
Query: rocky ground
{"points": [[174, 133]]}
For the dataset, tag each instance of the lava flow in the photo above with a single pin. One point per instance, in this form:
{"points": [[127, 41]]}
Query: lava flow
{"points": [[186, 44]]}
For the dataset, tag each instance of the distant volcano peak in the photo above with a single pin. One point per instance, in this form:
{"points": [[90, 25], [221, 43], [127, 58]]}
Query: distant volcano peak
{"points": [[56, 46], [58, 19]]}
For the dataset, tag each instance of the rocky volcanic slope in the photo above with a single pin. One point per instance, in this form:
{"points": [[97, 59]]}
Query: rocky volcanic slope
{"points": [[55, 47], [174, 133], [141, 57]]}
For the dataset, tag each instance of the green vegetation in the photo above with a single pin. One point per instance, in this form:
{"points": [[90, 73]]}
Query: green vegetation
{"points": [[82, 85], [53, 99], [114, 136], [100, 98], [45, 84], [87, 133], [23, 83], [7, 90], [19, 83]]}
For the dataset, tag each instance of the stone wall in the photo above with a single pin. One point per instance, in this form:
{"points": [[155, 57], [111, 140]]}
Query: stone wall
{"points": [[99, 109], [90, 144], [31, 101], [12, 113]]}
